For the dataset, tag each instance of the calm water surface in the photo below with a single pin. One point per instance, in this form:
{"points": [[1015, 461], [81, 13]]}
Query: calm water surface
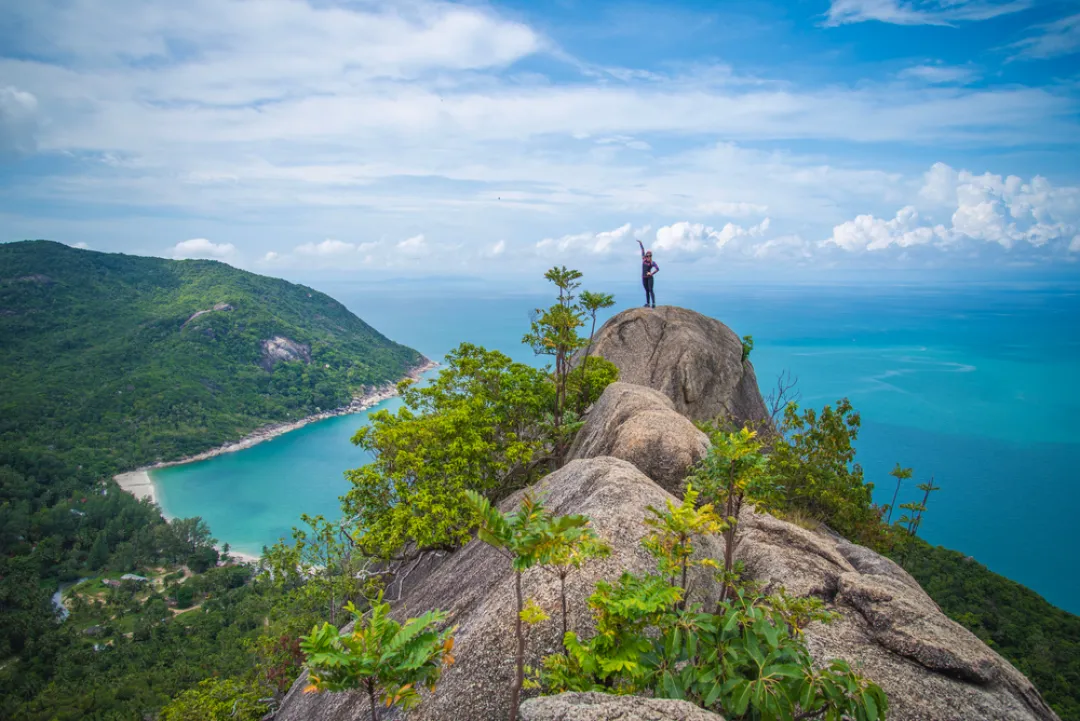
{"points": [[975, 386]]}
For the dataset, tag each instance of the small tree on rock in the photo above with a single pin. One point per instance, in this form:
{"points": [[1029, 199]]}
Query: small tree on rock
{"points": [[387, 660]]}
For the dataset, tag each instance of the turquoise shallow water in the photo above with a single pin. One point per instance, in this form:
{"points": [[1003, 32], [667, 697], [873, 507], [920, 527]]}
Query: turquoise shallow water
{"points": [[976, 386]]}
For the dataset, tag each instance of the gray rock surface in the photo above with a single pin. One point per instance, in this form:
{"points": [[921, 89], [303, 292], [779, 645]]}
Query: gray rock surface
{"points": [[641, 425], [929, 666], [282, 350], [694, 360], [605, 707], [475, 585]]}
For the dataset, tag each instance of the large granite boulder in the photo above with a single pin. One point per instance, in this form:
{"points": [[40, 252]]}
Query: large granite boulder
{"points": [[694, 360], [476, 586], [641, 425], [929, 666], [605, 707]]}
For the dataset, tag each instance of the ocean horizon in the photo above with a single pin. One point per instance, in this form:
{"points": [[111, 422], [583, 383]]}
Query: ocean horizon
{"points": [[970, 385]]}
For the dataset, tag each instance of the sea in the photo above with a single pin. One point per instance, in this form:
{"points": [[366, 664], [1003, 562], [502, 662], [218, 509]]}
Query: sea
{"points": [[975, 386]]}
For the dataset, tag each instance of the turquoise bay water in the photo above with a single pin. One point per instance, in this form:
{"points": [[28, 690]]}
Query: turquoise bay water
{"points": [[975, 386]]}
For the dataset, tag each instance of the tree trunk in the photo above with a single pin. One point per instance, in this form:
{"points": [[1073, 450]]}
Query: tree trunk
{"points": [[562, 594], [585, 363], [519, 676], [371, 698], [729, 537], [892, 505]]}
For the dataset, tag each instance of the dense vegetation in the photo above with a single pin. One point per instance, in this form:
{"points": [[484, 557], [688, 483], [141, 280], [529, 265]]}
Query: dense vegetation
{"points": [[1041, 640], [103, 367], [104, 363]]}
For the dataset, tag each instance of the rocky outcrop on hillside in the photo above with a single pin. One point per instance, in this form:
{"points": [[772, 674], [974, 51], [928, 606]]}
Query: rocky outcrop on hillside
{"points": [[281, 350], [931, 668], [640, 425], [604, 707], [218, 307], [694, 360]]}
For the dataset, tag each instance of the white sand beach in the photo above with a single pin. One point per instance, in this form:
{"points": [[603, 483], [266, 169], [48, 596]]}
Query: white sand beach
{"points": [[138, 484]]}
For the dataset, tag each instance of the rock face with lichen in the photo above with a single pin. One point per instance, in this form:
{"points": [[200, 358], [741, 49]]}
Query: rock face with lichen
{"points": [[930, 667], [694, 360], [641, 425], [282, 350], [605, 707], [476, 586]]}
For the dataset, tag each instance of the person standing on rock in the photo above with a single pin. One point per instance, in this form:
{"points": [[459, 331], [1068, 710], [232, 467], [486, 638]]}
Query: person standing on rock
{"points": [[648, 270]]}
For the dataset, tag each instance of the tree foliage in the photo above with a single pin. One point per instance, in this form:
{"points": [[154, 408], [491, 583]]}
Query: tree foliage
{"points": [[473, 428], [388, 661], [813, 461], [216, 699]]}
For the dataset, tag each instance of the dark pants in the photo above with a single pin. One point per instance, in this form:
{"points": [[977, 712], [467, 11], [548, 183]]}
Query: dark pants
{"points": [[650, 297]]}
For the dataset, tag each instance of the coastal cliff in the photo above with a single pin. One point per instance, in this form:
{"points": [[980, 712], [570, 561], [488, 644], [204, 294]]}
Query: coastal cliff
{"points": [[634, 449]]}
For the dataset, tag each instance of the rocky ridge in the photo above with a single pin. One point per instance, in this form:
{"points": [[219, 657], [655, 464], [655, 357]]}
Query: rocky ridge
{"points": [[929, 666]]}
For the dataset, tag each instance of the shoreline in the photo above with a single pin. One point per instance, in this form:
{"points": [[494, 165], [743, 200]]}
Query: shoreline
{"points": [[139, 483]]}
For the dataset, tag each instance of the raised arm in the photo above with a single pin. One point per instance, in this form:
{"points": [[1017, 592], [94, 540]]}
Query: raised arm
{"points": [[642, 246]]}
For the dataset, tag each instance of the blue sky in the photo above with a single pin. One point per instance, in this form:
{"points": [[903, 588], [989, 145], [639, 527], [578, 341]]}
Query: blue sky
{"points": [[756, 139]]}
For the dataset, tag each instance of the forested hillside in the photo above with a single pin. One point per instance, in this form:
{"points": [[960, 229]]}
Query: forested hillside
{"points": [[108, 362], [113, 361]]}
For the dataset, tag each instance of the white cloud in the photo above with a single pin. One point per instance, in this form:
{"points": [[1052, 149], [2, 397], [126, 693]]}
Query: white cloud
{"points": [[81, 246], [937, 74], [497, 248], [920, 12], [1074, 246], [605, 243], [413, 247], [991, 208], [1061, 37], [334, 254], [327, 248], [869, 233], [18, 120], [203, 248], [792, 247]]}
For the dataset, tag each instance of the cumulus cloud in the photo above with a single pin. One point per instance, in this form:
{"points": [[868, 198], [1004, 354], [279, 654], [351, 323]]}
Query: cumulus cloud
{"points": [[869, 233], [1051, 40], [495, 250], [203, 248], [920, 12], [80, 246], [413, 247], [695, 239], [605, 243], [1005, 210], [18, 120], [1074, 246]]}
